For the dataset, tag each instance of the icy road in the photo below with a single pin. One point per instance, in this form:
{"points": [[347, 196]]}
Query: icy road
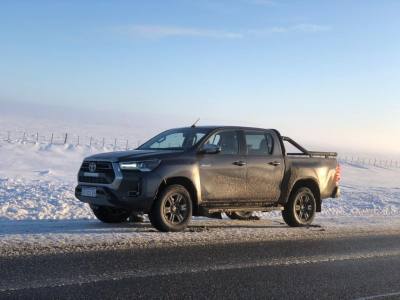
{"points": [[25, 237], [213, 259]]}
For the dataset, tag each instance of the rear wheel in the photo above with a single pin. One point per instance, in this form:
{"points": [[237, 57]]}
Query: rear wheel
{"points": [[108, 214], [172, 210], [240, 215], [300, 209]]}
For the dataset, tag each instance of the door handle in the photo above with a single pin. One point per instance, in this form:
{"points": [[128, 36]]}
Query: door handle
{"points": [[274, 163], [239, 163]]}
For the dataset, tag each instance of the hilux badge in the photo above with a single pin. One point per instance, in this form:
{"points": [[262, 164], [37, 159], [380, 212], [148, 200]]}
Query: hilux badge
{"points": [[92, 167]]}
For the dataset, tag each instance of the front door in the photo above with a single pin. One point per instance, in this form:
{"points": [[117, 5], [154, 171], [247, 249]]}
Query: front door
{"points": [[265, 166], [223, 175]]}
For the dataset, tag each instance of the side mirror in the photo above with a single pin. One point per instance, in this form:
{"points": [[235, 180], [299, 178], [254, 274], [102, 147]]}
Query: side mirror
{"points": [[210, 149]]}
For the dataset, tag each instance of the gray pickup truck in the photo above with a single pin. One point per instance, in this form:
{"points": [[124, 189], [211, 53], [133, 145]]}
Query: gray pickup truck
{"points": [[201, 171]]}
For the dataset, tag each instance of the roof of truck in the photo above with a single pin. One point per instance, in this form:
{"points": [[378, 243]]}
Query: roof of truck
{"points": [[228, 127]]}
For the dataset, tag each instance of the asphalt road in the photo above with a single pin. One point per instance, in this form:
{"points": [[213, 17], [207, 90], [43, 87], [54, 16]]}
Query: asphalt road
{"points": [[345, 268]]}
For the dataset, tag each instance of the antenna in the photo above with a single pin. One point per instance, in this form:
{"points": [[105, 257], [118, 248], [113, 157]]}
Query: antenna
{"points": [[194, 124]]}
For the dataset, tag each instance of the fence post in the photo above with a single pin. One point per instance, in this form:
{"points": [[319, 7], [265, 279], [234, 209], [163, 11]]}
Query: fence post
{"points": [[66, 137], [8, 136], [103, 142], [115, 144], [90, 142], [127, 142], [37, 137], [51, 140], [23, 137]]}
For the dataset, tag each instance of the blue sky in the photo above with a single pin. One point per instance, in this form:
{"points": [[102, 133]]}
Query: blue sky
{"points": [[326, 69]]}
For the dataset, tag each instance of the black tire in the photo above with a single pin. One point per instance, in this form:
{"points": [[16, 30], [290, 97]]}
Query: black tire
{"points": [[108, 214], [240, 215], [301, 208], [172, 210]]}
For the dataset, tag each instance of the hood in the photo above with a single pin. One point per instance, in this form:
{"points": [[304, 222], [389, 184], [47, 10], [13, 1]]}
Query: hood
{"points": [[131, 155]]}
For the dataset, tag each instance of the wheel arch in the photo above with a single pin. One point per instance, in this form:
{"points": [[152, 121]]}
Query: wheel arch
{"points": [[312, 185], [185, 182]]}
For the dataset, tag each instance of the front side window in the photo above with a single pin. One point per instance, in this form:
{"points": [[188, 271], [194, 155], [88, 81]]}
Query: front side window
{"points": [[227, 140], [175, 139], [259, 143]]}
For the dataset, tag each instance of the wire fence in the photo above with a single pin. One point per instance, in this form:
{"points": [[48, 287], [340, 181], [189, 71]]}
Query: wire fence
{"points": [[373, 162], [25, 137], [123, 143]]}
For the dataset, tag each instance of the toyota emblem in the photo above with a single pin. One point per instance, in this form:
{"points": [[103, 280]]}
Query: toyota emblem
{"points": [[92, 167]]}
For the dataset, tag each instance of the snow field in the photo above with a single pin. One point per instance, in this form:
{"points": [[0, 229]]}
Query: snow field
{"points": [[37, 182]]}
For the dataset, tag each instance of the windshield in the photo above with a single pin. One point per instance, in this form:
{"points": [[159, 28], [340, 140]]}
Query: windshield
{"points": [[175, 139]]}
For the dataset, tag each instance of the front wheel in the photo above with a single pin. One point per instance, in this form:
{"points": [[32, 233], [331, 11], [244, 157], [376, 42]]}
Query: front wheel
{"points": [[172, 210], [108, 214], [300, 209]]}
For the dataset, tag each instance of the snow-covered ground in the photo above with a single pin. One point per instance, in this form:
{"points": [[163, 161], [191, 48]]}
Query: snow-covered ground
{"points": [[37, 182], [39, 213]]}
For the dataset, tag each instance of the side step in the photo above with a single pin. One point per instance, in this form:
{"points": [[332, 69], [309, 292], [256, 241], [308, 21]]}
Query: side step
{"points": [[231, 209]]}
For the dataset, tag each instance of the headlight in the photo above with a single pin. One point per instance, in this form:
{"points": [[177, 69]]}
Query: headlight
{"points": [[143, 166]]}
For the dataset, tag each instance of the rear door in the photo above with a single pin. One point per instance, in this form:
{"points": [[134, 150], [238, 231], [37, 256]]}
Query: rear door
{"points": [[265, 165], [223, 175]]}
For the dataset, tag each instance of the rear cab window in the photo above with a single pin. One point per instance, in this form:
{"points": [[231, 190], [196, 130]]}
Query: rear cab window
{"points": [[259, 142]]}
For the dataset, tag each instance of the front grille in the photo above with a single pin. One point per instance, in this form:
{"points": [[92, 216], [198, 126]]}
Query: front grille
{"points": [[104, 169], [100, 166]]}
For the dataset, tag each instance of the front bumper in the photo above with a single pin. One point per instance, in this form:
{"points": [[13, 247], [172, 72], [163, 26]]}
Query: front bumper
{"points": [[134, 190], [108, 197]]}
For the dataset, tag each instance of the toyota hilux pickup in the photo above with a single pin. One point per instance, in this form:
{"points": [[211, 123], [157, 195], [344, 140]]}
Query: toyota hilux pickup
{"points": [[204, 170]]}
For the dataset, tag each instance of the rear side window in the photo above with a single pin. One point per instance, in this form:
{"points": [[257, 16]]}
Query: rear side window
{"points": [[227, 140], [259, 143]]}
